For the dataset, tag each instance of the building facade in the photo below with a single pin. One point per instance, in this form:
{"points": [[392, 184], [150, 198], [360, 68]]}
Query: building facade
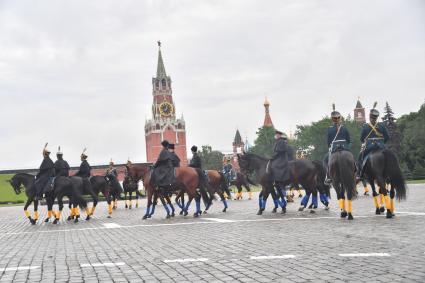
{"points": [[164, 124]]}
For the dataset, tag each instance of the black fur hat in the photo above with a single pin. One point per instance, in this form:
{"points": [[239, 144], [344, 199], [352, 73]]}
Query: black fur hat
{"points": [[171, 146], [194, 148], [165, 143]]}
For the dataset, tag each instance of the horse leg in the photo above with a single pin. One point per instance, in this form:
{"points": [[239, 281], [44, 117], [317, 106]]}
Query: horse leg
{"points": [[341, 198], [125, 199], [154, 203], [275, 199], [27, 204], [137, 198], [49, 208], [76, 211], [164, 203], [58, 214], [95, 200], [182, 203], [281, 194], [223, 199], [349, 193], [173, 210], [130, 200], [314, 202], [149, 204], [392, 195], [383, 191], [71, 213], [248, 189], [375, 197], [185, 213], [108, 200], [198, 205], [35, 219], [324, 199], [382, 200], [304, 201]]}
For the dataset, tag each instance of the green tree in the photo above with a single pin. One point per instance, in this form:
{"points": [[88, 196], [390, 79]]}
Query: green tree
{"points": [[394, 142], [412, 131], [263, 144], [211, 159]]}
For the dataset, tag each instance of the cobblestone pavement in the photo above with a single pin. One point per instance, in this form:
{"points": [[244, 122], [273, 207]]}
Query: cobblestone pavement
{"points": [[217, 247]]}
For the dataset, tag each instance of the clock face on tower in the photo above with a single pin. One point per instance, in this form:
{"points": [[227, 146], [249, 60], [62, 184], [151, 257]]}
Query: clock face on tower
{"points": [[166, 109]]}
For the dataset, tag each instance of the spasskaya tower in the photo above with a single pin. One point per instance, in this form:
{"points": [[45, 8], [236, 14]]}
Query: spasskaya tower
{"points": [[164, 125]]}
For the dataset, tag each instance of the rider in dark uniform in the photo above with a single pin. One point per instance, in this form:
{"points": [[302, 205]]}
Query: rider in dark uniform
{"points": [[228, 171], [373, 136], [174, 158], [111, 169], [338, 139], [85, 169], [45, 174], [162, 175], [61, 166], [195, 162]]}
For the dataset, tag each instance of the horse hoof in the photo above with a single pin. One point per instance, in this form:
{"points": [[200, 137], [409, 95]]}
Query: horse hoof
{"points": [[389, 214], [224, 210], [377, 211], [274, 210], [382, 209], [145, 217], [55, 221], [301, 208], [33, 221], [126, 206], [327, 208], [260, 212], [46, 220], [350, 216], [185, 213], [366, 194], [88, 218], [114, 208], [69, 218], [300, 196], [310, 206], [129, 207], [181, 212], [283, 210], [343, 214], [76, 220], [196, 214], [109, 216], [312, 211], [168, 216]]}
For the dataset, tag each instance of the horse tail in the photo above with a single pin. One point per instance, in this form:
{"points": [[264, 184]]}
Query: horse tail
{"points": [[346, 175], [320, 177], [392, 172], [203, 186]]}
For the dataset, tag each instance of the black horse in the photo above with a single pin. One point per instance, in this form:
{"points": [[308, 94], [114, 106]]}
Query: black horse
{"points": [[342, 168], [322, 188], [383, 168], [301, 171], [240, 181], [130, 187], [63, 186], [109, 187]]}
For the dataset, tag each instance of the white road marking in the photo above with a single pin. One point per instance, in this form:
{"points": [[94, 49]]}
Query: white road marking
{"points": [[111, 225], [207, 222], [18, 268], [409, 213], [365, 255], [221, 220], [182, 260], [107, 264], [271, 257]]}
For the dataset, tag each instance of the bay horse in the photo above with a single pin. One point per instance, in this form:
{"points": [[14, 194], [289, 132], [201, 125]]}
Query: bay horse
{"points": [[242, 181], [301, 171], [342, 169], [187, 180], [383, 168], [217, 184]]}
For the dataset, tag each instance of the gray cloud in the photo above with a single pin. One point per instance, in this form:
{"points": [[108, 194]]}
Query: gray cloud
{"points": [[78, 73]]}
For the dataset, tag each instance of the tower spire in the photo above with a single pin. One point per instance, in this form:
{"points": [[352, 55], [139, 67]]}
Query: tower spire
{"points": [[160, 70], [267, 119]]}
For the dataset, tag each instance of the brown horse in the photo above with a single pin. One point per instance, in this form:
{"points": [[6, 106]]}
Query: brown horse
{"points": [[186, 179], [217, 184]]}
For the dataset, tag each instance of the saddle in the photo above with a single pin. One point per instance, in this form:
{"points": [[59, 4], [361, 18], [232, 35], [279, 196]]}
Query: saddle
{"points": [[49, 185]]}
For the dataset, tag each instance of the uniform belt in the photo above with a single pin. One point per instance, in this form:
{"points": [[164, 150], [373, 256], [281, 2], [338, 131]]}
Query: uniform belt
{"points": [[340, 141]]}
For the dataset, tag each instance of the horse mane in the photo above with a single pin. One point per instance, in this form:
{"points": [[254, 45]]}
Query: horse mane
{"points": [[253, 155]]}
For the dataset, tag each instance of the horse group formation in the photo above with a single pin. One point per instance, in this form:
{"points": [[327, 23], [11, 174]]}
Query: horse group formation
{"points": [[381, 169]]}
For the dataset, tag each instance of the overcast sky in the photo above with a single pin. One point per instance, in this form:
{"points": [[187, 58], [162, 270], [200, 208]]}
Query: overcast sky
{"points": [[78, 73]]}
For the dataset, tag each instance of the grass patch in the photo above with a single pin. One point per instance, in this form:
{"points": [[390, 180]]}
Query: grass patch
{"points": [[7, 194], [416, 181]]}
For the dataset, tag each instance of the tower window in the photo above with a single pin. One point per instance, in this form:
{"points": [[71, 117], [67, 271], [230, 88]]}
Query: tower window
{"points": [[164, 83]]}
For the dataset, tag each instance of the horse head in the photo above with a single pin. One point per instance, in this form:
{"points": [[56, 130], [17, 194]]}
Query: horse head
{"points": [[138, 172], [16, 184]]}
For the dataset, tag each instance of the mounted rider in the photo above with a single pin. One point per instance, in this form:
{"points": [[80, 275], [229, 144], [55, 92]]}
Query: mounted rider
{"points": [[228, 171], [163, 171], [45, 174], [279, 162], [61, 166], [85, 169], [111, 169], [374, 136], [195, 162], [175, 160], [338, 139]]}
